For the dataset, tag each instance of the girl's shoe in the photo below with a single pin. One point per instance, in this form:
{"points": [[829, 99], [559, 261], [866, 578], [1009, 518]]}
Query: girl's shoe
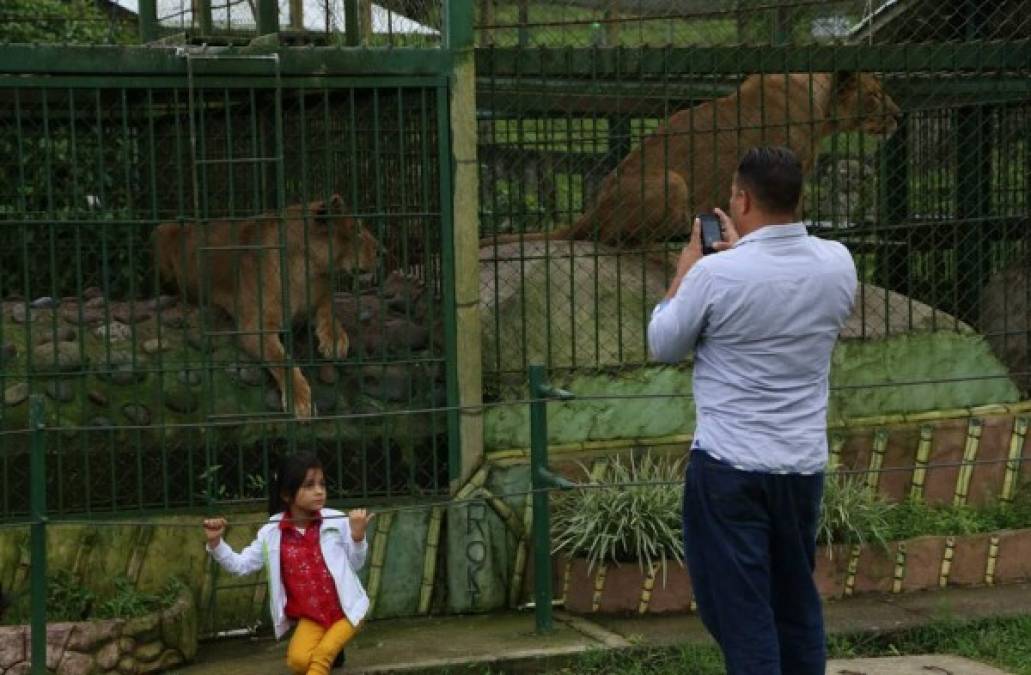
{"points": [[338, 662]]}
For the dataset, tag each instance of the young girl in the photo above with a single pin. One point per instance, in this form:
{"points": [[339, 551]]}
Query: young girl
{"points": [[311, 554]]}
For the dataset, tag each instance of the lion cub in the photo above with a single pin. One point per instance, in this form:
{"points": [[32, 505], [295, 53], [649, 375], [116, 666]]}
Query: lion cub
{"points": [[239, 264]]}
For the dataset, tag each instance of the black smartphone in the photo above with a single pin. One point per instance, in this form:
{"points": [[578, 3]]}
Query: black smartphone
{"points": [[712, 231]]}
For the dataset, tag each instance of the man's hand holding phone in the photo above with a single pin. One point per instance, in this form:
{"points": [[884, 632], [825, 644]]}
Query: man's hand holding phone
{"points": [[729, 232]]}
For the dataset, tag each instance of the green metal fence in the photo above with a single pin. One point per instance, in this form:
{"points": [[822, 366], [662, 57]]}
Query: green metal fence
{"points": [[251, 164], [912, 118], [636, 23], [389, 23]]}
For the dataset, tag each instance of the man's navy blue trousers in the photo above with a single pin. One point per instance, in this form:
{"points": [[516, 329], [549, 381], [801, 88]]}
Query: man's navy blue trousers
{"points": [[750, 546]]}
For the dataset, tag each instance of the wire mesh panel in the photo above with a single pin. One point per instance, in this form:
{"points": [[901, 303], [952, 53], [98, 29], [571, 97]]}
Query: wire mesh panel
{"points": [[594, 160], [395, 23], [199, 273], [636, 23]]}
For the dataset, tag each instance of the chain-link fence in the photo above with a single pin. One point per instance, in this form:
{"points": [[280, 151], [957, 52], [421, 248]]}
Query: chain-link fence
{"points": [[912, 123], [657, 23], [388, 23], [396, 23]]}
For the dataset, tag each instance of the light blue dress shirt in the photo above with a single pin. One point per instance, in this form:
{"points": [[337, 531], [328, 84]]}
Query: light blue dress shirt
{"points": [[762, 319]]}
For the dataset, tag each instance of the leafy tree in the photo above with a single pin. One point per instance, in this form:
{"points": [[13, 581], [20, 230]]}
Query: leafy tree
{"points": [[62, 22]]}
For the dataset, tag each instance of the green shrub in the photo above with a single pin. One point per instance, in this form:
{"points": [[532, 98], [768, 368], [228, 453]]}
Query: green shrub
{"points": [[616, 524], [851, 512], [69, 600]]}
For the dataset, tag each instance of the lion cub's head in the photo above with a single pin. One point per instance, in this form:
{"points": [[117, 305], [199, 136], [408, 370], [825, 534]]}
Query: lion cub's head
{"points": [[341, 236], [861, 104]]}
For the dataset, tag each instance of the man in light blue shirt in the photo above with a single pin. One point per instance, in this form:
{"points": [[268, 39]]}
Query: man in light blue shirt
{"points": [[762, 316]]}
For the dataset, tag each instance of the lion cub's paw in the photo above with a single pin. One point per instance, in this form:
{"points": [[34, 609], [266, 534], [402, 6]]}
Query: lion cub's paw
{"points": [[304, 408]]}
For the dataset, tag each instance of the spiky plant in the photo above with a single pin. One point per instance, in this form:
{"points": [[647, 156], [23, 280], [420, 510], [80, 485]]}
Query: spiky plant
{"points": [[631, 514]]}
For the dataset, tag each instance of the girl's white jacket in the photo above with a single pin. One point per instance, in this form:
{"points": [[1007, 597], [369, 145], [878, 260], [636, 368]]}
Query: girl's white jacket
{"points": [[343, 556]]}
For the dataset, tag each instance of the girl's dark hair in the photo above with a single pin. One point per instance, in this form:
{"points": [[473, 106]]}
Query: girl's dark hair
{"points": [[288, 477]]}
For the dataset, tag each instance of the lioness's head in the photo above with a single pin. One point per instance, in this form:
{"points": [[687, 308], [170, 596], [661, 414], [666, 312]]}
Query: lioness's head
{"points": [[349, 242], [861, 104]]}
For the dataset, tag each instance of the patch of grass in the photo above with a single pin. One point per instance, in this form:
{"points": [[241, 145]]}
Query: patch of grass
{"points": [[913, 519], [683, 660], [128, 601], [69, 600], [1005, 643]]}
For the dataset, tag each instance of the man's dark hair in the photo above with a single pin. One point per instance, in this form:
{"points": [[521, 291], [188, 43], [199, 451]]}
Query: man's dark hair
{"points": [[773, 176]]}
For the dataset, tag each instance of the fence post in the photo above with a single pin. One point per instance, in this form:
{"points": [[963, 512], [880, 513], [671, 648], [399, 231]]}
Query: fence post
{"points": [[460, 266], [541, 480], [268, 17], [38, 535], [204, 24], [148, 17]]}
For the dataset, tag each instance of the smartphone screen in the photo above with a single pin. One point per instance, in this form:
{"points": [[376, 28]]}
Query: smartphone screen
{"points": [[712, 232]]}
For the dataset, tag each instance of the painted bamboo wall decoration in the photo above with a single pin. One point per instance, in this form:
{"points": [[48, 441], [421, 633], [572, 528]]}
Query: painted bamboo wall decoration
{"points": [[379, 555], [993, 559], [923, 454], [946, 566], [519, 568], [429, 562], [880, 445], [1016, 448], [599, 586], [966, 471], [646, 588]]}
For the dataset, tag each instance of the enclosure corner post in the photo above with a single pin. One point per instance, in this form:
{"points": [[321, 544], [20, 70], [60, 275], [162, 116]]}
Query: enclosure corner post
{"points": [[268, 17], [464, 244], [204, 22], [458, 25], [148, 17], [38, 537]]}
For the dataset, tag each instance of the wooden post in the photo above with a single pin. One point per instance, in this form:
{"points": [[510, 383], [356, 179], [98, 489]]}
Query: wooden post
{"points": [[297, 14]]}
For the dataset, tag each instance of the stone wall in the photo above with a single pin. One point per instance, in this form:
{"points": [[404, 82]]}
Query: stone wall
{"points": [[144, 644]]}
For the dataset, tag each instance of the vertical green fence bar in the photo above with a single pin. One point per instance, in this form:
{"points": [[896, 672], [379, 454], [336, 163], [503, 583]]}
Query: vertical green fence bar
{"points": [[268, 17], [542, 592], [204, 16], [38, 536], [352, 28], [148, 18], [542, 480]]}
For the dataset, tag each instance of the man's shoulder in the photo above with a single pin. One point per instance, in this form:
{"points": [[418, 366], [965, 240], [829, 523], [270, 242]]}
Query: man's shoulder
{"points": [[731, 262], [836, 254], [830, 245]]}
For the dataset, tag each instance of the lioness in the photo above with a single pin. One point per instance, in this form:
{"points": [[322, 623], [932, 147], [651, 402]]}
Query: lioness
{"points": [[240, 263], [686, 165]]}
